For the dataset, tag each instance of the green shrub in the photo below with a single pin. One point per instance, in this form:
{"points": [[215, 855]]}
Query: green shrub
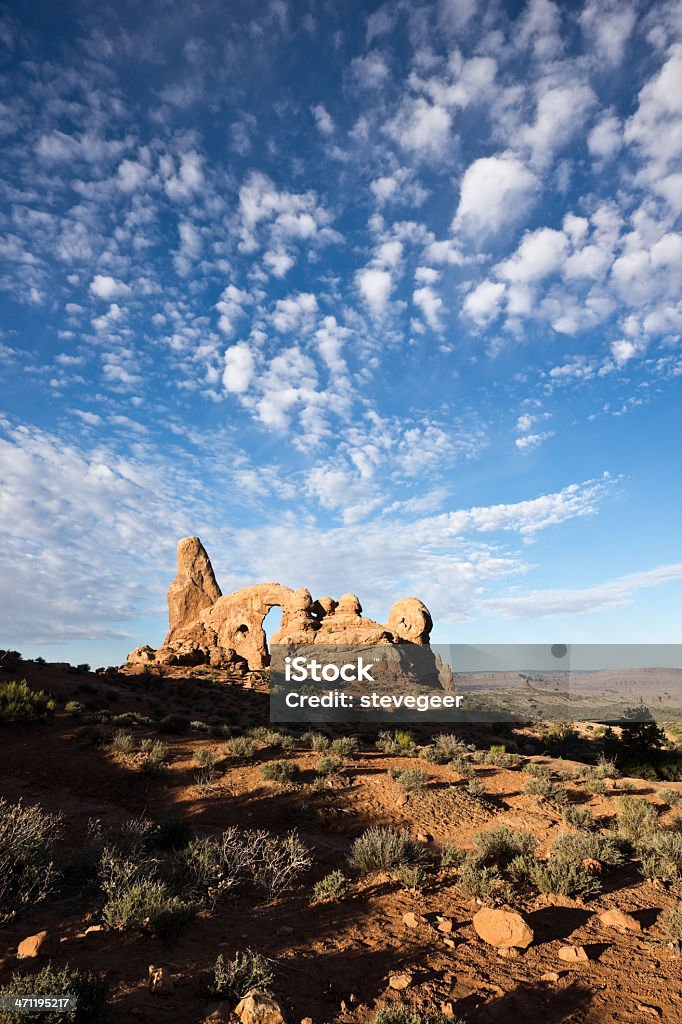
{"points": [[537, 770], [482, 882], [317, 741], [575, 847], [462, 767], [240, 746], [579, 817], [661, 856], [199, 726], [414, 780], [475, 788], [123, 742], [329, 765], [174, 725], [563, 878], [637, 818], [19, 703], [344, 746], [333, 886], [500, 843], [403, 1013], [671, 797], [27, 839], [546, 791], [451, 856], [206, 758], [448, 746], [410, 876], [155, 757], [594, 785], [76, 709], [279, 771], [671, 922], [91, 994], [398, 742], [381, 848], [246, 971], [269, 737]]}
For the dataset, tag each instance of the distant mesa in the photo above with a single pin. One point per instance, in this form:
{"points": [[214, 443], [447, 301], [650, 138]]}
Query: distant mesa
{"points": [[207, 627]]}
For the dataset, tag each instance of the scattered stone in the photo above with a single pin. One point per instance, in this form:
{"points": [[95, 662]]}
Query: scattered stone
{"points": [[573, 955], [450, 943], [400, 981], [306, 1020], [550, 976], [653, 1011], [444, 925], [509, 952], [93, 928], [412, 920], [424, 838], [447, 1009], [502, 928], [620, 920], [591, 865], [160, 981], [610, 784], [34, 945], [260, 1008]]}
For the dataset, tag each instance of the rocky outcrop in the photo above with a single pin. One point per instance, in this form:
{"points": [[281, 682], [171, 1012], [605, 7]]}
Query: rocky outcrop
{"points": [[207, 627]]}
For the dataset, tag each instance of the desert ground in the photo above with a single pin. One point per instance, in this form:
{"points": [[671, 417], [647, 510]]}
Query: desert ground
{"points": [[188, 756]]}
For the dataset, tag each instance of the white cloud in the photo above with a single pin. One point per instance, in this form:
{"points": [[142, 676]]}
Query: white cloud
{"points": [[431, 306], [188, 179], [539, 254], [106, 287], [421, 127], [484, 302], [607, 25], [375, 287], [583, 601], [323, 119], [240, 368], [532, 441], [495, 191], [370, 71], [231, 308], [606, 138], [131, 175], [560, 114], [294, 312], [623, 350]]}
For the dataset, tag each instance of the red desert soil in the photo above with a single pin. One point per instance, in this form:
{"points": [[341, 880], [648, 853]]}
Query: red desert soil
{"points": [[335, 960]]}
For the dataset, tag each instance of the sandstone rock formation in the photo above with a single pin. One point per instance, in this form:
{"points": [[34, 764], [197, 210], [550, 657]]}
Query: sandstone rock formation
{"points": [[505, 929], [211, 628]]}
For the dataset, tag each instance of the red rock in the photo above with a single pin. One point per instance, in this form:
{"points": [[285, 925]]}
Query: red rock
{"points": [[503, 928], [34, 945], [620, 920], [573, 955]]}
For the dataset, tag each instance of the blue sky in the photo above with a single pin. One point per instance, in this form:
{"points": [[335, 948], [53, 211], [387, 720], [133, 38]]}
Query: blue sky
{"points": [[371, 298]]}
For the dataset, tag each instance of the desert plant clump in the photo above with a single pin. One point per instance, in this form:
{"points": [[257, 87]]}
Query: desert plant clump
{"points": [[206, 758], [27, 840], [247, 970], [154, 757], [475, 788], [482, 882], [398, 742], [135, 897], [462, 767], [282, 772], [563, 878], [329, 765], [577, 847], [661, 856], [199, 726], [671, 797], [546, 791], [316, 741], [333, 886], [381, 848], [579, 817], [410, 876], [537, 770], [19, 703], [344, 746], [637, 818], [451, 856], [91, 993], [123, 742], [671, 922], [240, 746], [500, 843], [412, 781], [403, 1013]]}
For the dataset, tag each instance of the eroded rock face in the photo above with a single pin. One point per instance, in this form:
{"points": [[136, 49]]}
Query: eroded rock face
{"points": [[207, 627], [193, 589]]}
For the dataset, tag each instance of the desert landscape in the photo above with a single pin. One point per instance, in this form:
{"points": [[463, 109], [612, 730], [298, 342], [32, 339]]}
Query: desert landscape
{"points": [[168, 854]]}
